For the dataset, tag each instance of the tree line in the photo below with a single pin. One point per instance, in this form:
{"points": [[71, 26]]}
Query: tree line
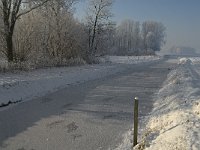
{"points": [[45, 32]]}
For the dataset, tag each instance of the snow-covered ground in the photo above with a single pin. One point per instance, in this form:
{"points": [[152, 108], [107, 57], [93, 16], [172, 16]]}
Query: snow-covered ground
{"points": [[174, 123], [24, 86], [195, 60], [130, 59]]}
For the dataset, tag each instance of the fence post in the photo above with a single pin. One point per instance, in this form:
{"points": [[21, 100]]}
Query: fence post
{"points": [[135, 121]]}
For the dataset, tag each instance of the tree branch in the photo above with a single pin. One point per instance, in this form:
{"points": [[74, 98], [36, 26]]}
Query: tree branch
{"points": [[1, 7], [9, 7], [31, 9]]}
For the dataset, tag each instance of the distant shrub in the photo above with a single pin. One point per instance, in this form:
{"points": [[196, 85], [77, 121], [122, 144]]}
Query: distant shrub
{"points": [[42, 63]]}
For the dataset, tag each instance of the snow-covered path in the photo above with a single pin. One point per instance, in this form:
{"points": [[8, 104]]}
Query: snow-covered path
{"points": [[87, 116]]}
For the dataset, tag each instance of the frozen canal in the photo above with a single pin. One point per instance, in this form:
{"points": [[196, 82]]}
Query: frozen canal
{"points": [[88, 116]]}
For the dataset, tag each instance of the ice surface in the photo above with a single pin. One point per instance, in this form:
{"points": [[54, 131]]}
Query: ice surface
{"points": [[24, 86]]}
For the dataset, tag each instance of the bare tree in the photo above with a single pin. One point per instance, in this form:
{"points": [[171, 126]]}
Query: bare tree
{"points": [[129, 40], [128, 37], [11, 13], [105, 38], [99, 12], [49, 35], [153, 34], [60, 22]]}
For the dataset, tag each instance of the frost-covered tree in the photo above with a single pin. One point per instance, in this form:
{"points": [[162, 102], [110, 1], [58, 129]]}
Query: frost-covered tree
{"points": [[153, 34], [98, 14], [2, 42], [12, 10], [128, 37], [49, 34], [59, 22], [105, 38]]}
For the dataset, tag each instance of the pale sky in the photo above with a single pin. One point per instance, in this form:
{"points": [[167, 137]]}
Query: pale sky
{"points": [[181, 17]]}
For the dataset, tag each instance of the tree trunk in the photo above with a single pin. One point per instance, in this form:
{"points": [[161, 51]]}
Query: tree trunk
{"points": [[9, 44], [94, 35]]}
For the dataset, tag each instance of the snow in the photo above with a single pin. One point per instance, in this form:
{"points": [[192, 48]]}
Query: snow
{"points": [[24, 86], [27, 85], [130, 59], [176, 115], [174, 122], [195, 60]]}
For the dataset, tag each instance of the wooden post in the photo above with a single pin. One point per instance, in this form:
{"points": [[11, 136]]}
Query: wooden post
{"points": [[135, 121]]}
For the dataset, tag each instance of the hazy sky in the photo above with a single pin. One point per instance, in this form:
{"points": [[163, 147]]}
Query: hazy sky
{"points": [[181, 17]]}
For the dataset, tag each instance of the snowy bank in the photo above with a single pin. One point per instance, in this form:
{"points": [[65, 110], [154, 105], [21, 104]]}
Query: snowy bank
{"points": [[28, 85], [175, 120], [174, 123]]}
